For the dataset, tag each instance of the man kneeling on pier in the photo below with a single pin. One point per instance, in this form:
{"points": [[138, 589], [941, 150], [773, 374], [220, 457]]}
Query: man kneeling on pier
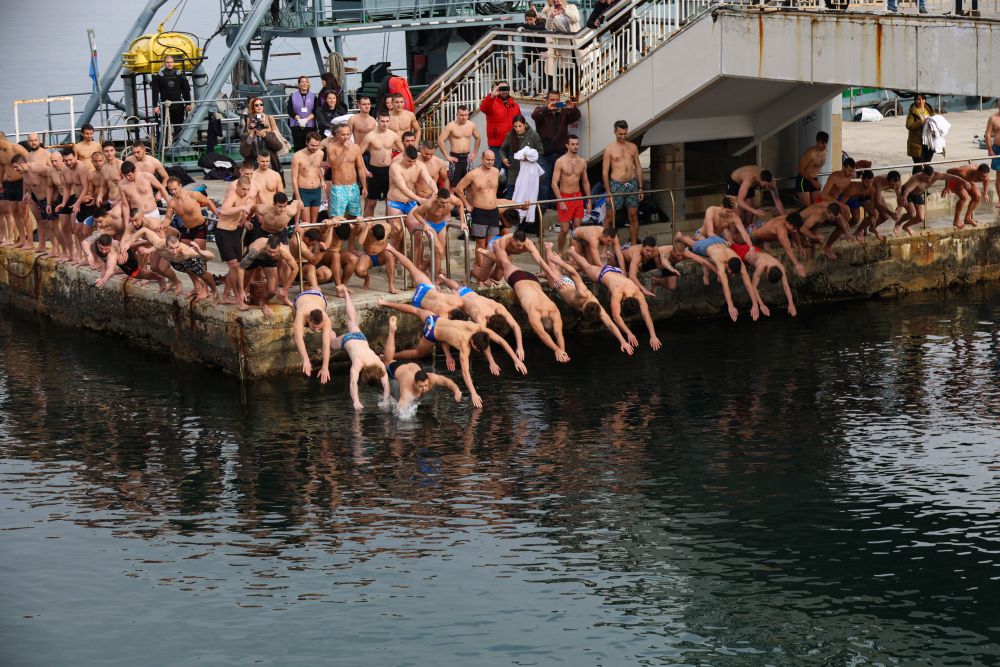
{"points": [[413, 380], [263, 256]]}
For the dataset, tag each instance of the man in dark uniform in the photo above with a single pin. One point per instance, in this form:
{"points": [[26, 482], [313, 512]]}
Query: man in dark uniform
{"points": [[172, 86]]}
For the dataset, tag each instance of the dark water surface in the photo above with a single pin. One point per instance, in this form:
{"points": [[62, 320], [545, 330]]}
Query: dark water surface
{"points": [[819, 491]]}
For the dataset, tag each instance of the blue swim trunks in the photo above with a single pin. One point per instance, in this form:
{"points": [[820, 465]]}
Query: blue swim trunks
{"points": [[462, 291], [311, 197], [853, 203], [420, 292], [352, 335], [701, 247], [402, 207], [428, 329], [437, 226], [625, 200], [374, 260], [995, 162], [345, 200]]}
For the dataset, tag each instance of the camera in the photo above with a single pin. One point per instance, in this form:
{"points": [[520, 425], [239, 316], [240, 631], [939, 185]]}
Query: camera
{"points": [[504, 89]]}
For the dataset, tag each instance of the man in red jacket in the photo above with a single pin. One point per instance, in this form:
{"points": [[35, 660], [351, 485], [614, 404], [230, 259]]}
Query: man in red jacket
{"points": [[500, 110]]}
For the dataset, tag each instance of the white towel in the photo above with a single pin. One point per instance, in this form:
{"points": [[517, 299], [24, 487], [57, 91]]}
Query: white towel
{"points": [[935, 129], [528, 179]]}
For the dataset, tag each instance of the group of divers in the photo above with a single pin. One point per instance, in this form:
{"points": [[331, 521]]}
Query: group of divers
{"points": [[98, 211]]}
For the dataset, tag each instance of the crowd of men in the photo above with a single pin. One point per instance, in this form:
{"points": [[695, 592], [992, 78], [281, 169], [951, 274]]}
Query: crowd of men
{"points": [[93, 209]]}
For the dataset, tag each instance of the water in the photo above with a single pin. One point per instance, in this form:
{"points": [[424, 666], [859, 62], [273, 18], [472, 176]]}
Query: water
{"points": [[40, 60], [818, 491]]}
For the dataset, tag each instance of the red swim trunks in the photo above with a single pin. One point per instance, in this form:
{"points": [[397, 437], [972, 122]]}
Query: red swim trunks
{"points": [[741, 250], [573, 210], [954, 186]]}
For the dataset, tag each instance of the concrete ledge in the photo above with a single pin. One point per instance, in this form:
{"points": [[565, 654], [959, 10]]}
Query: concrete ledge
{"points": [[247, 345]]}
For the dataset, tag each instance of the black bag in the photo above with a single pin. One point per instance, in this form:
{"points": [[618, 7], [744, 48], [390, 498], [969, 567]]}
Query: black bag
{"points": [[272, 142], [180, 173]]}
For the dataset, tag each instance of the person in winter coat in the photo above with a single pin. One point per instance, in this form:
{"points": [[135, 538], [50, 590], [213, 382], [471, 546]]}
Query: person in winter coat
{"points": [[920, 111], [500, 111], [520, 135]]}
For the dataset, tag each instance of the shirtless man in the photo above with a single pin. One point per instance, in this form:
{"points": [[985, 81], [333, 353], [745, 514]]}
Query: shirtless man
{"points": [[61, 246], [722, 260], [765, 264], [622, 176], [137, 190], [454, 142], [451, 333], [565, 281], [481, 200], [324, 250], [915, 196], [110, 219], [307, 178], [234, 219], [832, 191], [379, 144], [374, 238], [966, 190], [598, 244], [413, 381], [37, 152], [486, 312], [723, 221], [401, 120], [146, 163], [112, 171], [35, 175], [347, 169], [810, 164], [365, 364], [74, 178], [271, 256], [433, 215], [436, 168], [186, 206], [94, 193], [425, 295], [13, 211], [569, 180], [880, 209], [362, 122], [646, 257], [779, 229], [744, 183], [543, 314], [992, 138], [183, 258], [310, 311], [86, 147], [114, 259], [267, 180], [404, 174], [860, 198]]}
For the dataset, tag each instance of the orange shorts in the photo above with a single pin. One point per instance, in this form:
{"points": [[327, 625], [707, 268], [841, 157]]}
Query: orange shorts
{"points": [[741, 250], [573, 210], [954, 186]]}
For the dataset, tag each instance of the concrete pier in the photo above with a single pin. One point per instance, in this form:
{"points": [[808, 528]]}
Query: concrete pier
{"points": [[247, 345]]}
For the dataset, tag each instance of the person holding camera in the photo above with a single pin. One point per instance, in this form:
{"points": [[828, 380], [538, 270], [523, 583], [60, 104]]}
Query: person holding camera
{"points": [[552, 123], [261, 136], [500, 111]]}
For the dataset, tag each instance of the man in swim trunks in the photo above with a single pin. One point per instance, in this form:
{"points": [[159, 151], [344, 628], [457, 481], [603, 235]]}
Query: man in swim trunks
{"points": [[781, 229], [743, 185], [882, 212], [137, 190], [114, 259], [565, 281], [723, 221], [622, 175], [74, 178], [810, 164], [365, 364], [425, 295], [13, 211], [347, 169], [35, 176], [109, 219], [146, 163], [860, 198], [481, 200], [307, 178], [487, 312], [310, 312], [234, 220], [362, 122], [765, 264], [915, 196], [992, 138], [402, 198], [543, 314], [569, 180], [464, 336], [185, 207], [183, 258], [624, 295], [266, 254], [379, 144], [401, 119], [832, 191], [374, 238], [413, 381], [598, 244], [722, 260], [86, 147], [112, 171], [436, 168], [267, 181], [646, 257], [36, 151], [458, 135], [61, 247], [967, 191], [433, 215]]}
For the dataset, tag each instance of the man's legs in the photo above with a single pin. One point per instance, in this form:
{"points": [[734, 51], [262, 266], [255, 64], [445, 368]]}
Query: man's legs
{"points": [[416, 274], [591, 271], [963, 199], [633, 225], [974, 199]]}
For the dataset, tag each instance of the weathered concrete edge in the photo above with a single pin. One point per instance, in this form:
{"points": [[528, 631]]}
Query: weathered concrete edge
{"points": [[248, 346]]}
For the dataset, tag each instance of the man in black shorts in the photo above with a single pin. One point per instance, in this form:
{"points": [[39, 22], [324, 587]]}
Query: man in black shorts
{"points": [[234, 218]]}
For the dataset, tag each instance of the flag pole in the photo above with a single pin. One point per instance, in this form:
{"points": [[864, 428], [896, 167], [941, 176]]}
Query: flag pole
{"points": [[95, 72]]}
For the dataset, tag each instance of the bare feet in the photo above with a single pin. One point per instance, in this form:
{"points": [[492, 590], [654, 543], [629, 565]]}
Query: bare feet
{"points": [[266, 309], [829, 253], [972, 222]]}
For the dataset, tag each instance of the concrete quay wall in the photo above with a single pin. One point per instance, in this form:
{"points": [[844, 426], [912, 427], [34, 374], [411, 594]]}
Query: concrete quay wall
{"points": [[247, 345]]}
